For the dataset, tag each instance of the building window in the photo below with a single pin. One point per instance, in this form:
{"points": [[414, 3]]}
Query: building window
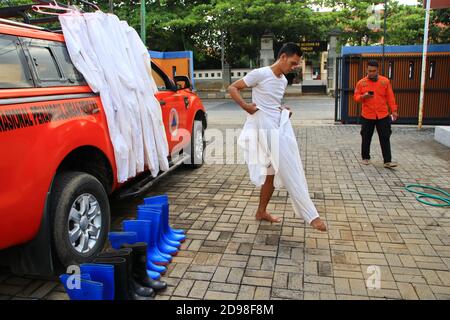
{"points": [[219, 74], [391, 70], [432, 69], [411, 70], [212, 75], [239, 74], [232, 74], [245, 73], [206, 75], [200, 75]]}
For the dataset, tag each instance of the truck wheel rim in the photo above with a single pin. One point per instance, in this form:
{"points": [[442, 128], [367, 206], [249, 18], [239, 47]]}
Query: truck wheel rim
{"points": [[198, 144], [84, 223]]}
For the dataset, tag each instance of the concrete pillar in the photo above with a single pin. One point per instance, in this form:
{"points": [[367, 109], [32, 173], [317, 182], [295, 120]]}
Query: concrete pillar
{"points": [[324, 67], [266, 55], [331, 61], [226, 76]]}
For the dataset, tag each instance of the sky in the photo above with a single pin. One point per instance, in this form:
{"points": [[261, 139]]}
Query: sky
{"points": [[408, 2]]}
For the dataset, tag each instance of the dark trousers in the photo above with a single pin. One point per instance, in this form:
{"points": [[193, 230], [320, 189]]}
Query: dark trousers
{"points": [[384, 133]]}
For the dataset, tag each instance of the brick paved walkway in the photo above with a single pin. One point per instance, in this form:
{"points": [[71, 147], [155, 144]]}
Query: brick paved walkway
{"points": [[372, 221]]}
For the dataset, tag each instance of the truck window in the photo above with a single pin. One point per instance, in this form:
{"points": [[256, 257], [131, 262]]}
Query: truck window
{"points": [[161, 79], [160, 83], [45, 63], [69, 70], [14, 70]]}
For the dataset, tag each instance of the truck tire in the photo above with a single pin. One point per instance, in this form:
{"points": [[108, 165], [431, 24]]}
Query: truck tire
{"points": [[196, 150], [80, 217]]}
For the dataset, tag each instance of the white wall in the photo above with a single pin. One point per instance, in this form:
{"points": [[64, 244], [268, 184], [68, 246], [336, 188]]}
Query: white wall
{"points": [[216, 74], [442, 135]]}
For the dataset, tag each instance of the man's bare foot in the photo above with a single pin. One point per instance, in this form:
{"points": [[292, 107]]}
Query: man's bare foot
{"points": [[267, 216], [318, 224]]}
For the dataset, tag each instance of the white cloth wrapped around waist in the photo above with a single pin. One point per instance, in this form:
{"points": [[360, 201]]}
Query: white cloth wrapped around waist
{"points": [[268, 140], [259, 140]]}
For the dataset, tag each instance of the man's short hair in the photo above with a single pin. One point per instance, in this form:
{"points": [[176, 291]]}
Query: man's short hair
{"points": [[372, 63], [290, 49]]}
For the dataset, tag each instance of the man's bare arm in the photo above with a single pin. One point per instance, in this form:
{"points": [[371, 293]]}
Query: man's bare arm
{"points": [[234, 91]]}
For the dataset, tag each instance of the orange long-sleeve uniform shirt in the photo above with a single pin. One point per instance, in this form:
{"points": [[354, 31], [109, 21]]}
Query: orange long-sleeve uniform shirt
{"points": [[376, 107]]}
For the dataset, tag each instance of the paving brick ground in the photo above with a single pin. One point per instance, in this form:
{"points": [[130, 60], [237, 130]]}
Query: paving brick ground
{"points": [[372, 221]]}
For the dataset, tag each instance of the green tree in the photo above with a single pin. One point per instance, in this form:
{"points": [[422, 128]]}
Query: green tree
{"points": [[199, 25]]}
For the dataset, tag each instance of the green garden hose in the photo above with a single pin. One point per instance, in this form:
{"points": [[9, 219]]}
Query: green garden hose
{"points": [[422, 195]]}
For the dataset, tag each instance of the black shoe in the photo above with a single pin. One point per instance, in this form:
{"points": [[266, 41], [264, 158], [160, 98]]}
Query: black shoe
{"points": [[135, 289], [125, 282], [139, 257], [127, 255], [122, 286]]}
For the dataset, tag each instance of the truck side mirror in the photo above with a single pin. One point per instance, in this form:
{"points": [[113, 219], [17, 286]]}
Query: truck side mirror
{"points": [[182, 82]]}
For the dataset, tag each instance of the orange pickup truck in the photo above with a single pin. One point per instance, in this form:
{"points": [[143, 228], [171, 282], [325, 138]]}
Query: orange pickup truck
{"points": [[56, 155]]}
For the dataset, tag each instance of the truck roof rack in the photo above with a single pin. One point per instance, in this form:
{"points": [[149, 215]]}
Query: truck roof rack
{"points": [[23, 12], [21, 24]]}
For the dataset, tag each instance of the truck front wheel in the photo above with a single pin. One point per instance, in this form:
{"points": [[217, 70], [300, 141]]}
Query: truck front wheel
{"points": [[196, 149], [81, 217]]}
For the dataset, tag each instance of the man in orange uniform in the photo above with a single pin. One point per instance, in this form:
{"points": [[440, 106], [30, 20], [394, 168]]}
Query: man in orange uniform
{"points": [[375, 93]]}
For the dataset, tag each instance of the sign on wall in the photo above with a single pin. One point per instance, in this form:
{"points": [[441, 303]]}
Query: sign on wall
{"points": [[313, 46]]}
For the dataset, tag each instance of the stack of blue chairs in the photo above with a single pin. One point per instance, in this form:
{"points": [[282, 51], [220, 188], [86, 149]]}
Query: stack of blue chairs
{"points": [[152, 227]]}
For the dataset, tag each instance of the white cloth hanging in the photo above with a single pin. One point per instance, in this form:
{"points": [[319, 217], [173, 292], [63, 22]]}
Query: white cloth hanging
{"points": [[111, 58], [270, 148], [143, 74], [86, 61]]}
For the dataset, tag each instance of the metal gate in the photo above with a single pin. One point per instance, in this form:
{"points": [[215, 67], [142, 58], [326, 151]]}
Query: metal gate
{"points": [[404, 71], [337, 90]]}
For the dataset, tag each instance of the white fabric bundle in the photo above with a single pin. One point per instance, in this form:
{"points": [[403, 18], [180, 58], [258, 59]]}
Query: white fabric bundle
{"points": [[116, 64]]}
